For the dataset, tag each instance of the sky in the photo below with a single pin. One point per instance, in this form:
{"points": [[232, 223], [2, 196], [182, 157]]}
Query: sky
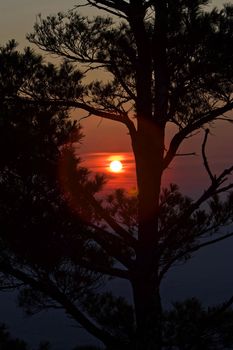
{"points": [[102, 136], [18, 16], [103, 140]]}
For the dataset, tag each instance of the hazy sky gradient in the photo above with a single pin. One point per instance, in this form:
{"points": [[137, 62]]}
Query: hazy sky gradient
{"points": [[18, 16], [17, 19]]}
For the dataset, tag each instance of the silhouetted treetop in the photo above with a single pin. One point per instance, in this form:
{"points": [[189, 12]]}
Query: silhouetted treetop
{"points": [[40, 232], [198, 57]]}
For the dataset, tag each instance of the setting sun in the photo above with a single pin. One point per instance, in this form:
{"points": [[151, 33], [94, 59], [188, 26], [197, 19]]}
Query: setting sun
{"points": [[116, 166]]}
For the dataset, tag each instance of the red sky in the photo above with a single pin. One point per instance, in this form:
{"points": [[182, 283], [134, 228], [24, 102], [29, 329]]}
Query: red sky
{"points": [[17, 19], [105, 138]]}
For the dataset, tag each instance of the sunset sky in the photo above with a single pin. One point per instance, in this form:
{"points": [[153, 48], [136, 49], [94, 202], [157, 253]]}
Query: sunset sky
{"points": [[105, 138], [104, 141]]}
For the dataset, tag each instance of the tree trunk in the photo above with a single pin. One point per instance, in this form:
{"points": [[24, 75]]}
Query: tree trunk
{"points": [[148, 312], [148, 150]]}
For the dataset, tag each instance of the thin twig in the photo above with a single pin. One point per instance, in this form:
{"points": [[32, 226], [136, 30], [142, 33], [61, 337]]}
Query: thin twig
{"points": [[186, 154], [205, 160], [107, 9], [191, 250]]}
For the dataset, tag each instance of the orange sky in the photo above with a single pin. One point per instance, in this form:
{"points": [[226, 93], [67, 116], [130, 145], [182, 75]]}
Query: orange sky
{"points": [[106, 137]]}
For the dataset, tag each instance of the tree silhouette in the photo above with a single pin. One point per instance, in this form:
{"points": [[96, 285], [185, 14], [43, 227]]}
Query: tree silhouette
{"points": [[42, 240], [167, 62], [8, 343], [190, 326]]}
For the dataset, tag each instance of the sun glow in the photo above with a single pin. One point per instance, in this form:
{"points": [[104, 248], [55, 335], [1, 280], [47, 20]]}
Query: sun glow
{"points": [[116, 166]]}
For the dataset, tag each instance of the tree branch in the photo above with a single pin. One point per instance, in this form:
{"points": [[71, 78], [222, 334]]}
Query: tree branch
{"points": [[186, 154], [226, 305], [128, 239], [225, 189], [122, 118], [206, 164], [110, 271], [182, 134], [120, 7], [192, 250], [121, 81], [112, 245], [212, 190], [52, 291]]}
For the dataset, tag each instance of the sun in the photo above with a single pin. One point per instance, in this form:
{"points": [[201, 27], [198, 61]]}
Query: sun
{"points": [[116, 166]]}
